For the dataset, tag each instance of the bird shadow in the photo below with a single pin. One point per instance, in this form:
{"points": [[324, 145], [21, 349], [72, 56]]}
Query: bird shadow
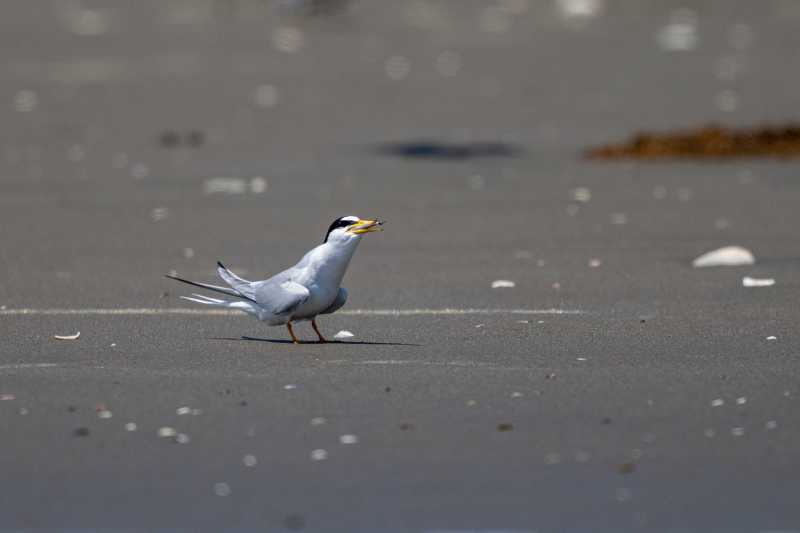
{"points": [[287, 341]]}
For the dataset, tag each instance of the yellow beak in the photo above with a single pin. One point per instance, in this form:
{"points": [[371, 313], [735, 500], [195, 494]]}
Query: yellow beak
{"points": [[365, 226]]}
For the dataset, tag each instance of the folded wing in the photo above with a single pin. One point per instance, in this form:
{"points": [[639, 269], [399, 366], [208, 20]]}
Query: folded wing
{"points": [[280, 297]]}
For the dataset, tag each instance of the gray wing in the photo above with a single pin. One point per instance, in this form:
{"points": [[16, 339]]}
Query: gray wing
{"points": [[341, 298], [280, 296]]}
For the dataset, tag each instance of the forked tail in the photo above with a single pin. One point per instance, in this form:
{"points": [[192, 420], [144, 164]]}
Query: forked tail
{"points": [[239, 288], [241, 305]]}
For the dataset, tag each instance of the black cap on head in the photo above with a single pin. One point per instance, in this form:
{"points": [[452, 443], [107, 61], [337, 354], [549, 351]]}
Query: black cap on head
{"points": [[342, 222]]}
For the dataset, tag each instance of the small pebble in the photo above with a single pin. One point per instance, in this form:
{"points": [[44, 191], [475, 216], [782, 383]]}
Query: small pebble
{"points": [[771, 424], [183, 410], [82, 432], [626, 468], [344, 334], [505, 427], [772, 338], [182, 438], [131, 426], [552, 459], [619, 219], [741, 401], [249, 460], [23, 411], [319, 455], [348, 439], [516, 395], [166, 432], [718, 402], [581, 194], [139, 170], [318, 421], [105, 413], [710, 433], [737, 432], [222, 489], [158, 214], [290, 386], [503, 284]]}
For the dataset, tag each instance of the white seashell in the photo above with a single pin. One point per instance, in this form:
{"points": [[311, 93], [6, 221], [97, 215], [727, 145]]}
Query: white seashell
{"points": [[757, 282], [727, 256]]}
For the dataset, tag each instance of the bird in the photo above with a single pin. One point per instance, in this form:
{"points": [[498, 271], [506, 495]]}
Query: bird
{"points": [[302, 292]]}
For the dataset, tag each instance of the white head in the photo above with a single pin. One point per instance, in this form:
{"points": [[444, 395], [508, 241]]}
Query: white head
{"points": [[350, 228]]}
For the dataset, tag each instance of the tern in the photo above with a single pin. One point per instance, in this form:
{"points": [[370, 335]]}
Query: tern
{"points": [[310, 288]]}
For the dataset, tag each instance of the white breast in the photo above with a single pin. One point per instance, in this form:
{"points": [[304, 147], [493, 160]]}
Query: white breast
{"points": [[322, 275]]}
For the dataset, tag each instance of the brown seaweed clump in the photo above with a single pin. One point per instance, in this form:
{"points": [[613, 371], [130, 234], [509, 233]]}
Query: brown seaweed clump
{"points": [[710, 141]]}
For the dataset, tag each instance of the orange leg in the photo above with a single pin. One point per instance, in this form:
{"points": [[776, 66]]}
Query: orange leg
{"points": [[291, 332], [314, 325]]}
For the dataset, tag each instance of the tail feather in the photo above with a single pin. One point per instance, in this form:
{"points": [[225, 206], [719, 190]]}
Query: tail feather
{"points": [[204, 301], [240, 305], [240, 285], [216, 288], [209, 299]]}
